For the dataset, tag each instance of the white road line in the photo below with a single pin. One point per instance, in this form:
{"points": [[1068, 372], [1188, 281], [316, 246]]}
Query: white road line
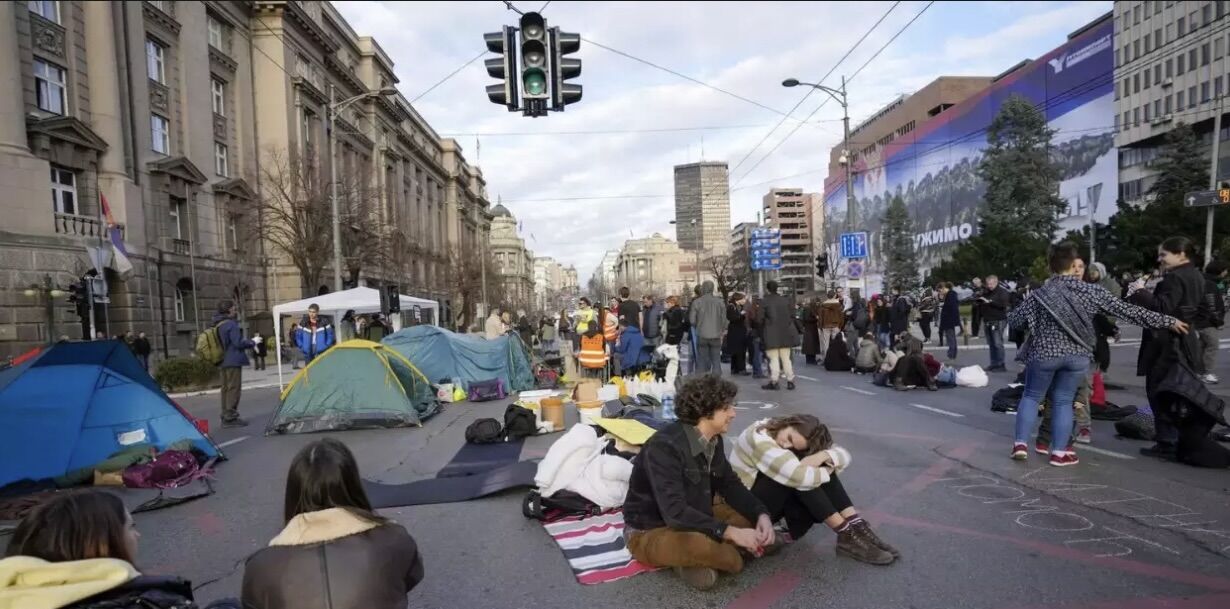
{"points": [[857, 390], [938, 410], [808, 378], [233, 441], [1102, 451]]}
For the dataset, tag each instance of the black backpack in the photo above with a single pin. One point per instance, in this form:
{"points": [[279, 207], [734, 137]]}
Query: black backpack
{"points": [[484, 431], [562, 503], [519, 422], [1006, 399]]}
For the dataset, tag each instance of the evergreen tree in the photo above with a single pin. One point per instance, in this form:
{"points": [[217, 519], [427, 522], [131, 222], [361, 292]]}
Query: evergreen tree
{"points": [[900, 257]]}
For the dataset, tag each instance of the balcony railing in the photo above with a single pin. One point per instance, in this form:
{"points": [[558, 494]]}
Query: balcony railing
{"points": [[181, 246]]}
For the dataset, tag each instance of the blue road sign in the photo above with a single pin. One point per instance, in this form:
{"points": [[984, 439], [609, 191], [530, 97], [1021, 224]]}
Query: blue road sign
{"points": [[765, 249], [854, 245]]}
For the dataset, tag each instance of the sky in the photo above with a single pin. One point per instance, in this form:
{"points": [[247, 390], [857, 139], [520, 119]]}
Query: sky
{"points": [[580, 194]]}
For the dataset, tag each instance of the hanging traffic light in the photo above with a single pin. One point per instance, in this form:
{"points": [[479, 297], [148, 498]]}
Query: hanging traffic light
{"points": [[534, 69], [504, 67], [563, 68], [822, 264]]}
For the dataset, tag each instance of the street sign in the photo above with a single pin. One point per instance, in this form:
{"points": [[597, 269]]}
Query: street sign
{"points": [[854, 245], [854, 269], [765, 249], [1207, 198]]}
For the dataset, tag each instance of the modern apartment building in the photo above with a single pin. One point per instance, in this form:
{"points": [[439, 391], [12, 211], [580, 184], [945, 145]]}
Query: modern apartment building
{"points": [[787, 210], [702, 207]]}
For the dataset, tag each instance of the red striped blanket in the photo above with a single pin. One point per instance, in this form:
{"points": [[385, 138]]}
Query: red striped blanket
{"points": [[595, 548]]}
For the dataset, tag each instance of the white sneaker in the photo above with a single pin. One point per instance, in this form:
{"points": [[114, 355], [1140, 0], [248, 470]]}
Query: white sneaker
{"points": [[1211, 379]]}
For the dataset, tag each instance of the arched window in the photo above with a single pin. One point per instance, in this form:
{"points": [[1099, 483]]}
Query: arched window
{"points": [[184, 309]]}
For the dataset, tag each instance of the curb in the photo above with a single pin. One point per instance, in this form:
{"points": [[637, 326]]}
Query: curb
{"points": [[192, 394]]}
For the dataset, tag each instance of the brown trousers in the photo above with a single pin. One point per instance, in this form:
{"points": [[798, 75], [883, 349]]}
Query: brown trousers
{"points": [[667, 547], [232, 379]]}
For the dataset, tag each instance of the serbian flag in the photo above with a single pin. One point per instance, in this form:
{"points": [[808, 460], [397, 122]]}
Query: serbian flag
{"points": [[119, 262]]}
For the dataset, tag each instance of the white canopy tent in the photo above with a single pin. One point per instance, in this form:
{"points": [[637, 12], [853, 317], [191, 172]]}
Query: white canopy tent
{"points": [[360, 300]]}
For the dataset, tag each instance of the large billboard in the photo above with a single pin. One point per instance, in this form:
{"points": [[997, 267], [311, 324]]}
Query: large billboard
{"points": [[934, 167]]}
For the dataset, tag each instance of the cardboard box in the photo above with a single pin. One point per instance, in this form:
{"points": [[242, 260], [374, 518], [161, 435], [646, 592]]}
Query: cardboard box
{"points": [[587, 390]]}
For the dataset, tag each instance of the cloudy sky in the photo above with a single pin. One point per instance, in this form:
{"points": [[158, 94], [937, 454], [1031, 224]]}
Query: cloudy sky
{"points": [[651, 120]]}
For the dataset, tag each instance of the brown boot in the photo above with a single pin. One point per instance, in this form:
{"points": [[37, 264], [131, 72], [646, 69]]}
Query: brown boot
{"points": [[855, 543], [880, 543], [700, 578]]}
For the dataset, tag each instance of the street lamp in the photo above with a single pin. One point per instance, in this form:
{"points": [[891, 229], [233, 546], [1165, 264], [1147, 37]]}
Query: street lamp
{"points": [[334, 108], [839, 96], [49, 293], [696, 251]]}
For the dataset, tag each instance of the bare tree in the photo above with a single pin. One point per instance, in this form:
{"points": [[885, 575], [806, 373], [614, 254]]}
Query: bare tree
{"points": [[730, 274], [466, 282]]}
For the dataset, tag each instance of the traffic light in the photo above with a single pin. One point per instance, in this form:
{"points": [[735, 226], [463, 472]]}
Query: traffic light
{"points": [[563, 68], [504, 67], [534, 69], [394, 298], [79, 298], [822, 264]]}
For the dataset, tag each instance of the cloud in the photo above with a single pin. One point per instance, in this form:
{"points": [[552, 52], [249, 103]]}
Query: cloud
{"points": [[744, 48]]}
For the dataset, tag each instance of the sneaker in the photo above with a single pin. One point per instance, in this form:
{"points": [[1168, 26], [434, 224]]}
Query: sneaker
{"points": [[790, 385], [1084, 436], [1064, 458], [1211, 379], [1020, 452], [235, 422], [770, 386], [699, 578], [1042, 447], [856, 544]]}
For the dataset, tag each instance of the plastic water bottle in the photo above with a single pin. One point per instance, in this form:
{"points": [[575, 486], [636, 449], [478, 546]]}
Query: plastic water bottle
{"points": [[668, 407]]}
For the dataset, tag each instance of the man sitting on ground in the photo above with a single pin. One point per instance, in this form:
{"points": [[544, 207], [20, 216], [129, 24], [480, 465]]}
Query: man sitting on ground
{"points": [[671, 516]]}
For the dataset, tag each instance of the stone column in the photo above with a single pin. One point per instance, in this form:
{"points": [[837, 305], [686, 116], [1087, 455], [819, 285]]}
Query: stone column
{"points": [[12, 104]]}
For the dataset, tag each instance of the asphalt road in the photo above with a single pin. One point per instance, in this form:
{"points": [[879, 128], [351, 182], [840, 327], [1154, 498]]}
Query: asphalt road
{"points": [[930, 471]]}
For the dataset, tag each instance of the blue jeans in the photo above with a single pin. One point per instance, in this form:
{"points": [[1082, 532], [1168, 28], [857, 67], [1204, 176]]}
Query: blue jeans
{"points": [[950, 338], [885, 337], [995, 342], [757, 357], [1061, 378]]}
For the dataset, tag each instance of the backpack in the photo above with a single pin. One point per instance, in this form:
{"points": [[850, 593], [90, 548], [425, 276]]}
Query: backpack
{"points": [[861, 318], [485, 391], [484, 431], [561, 504], [209, 345], [1007, 399], [519, 422], [546, 378]]}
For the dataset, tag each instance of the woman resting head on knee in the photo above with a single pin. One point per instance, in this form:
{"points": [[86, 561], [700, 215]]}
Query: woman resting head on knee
{"points": [[358, 558], [792, 465], [76, 551]]}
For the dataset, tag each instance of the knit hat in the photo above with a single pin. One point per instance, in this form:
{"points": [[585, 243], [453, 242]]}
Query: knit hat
{"points": [[225, 306]]}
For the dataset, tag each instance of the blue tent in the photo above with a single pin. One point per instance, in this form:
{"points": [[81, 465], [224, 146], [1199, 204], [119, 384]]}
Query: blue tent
{"points": [[464, 358], [76, 404]]}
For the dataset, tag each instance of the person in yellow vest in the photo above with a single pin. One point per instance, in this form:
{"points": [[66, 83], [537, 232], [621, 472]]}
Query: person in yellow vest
{"points": [[583, 319], [610, 325], [594, 353]]}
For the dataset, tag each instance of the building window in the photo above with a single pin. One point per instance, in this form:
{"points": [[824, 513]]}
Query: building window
{"points": [[215, 32], [1191, 59], [1169, 32], [309, 128], [1178, 100], [1193, 22], [1217, 87], [1180, 67], [1181, 25], [1136, 83], [47, 9], [155, 65], [1204, 91], [1157, 74], [1147, 74], [1167, 104], [1136, 15], [1135, 116], [219, 95], [1126, 120], [221, 165], [1191, 96], [232, 231], [1206, 14], [178, 207], [1204, 54], [49, 86], [1157, 38], [160, 134], [1136, 48], [1219, 48], [1169, 68], [180, 297], [1157, 108], [1148, 43], [1147, 115], [63, 190]]}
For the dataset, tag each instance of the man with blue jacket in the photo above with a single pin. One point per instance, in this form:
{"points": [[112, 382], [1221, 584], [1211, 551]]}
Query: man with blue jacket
{"points": [[315, 334], [234, 359], [629, 351]]}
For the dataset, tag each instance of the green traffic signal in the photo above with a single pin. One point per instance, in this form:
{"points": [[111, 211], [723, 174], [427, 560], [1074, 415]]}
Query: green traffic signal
{"points": [[535, 82]]}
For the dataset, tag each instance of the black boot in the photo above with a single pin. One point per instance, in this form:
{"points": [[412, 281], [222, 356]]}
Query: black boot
{"points": [[770, 386], [880, 543], [855, 543]]}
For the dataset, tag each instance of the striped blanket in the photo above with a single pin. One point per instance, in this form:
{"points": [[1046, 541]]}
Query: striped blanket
{"points": [[594, 547]]}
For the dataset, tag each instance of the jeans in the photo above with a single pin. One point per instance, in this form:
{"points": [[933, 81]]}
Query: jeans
{"points": [[757, 355], [780, 365], [709, 356], [1080, 411], [1208, 347], [995, 342], [885, 338], [801, 509], [1059, 377], [948, 336]]}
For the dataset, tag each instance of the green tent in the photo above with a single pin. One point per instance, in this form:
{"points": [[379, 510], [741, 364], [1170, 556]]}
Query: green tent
{"points": [[357, 384]]}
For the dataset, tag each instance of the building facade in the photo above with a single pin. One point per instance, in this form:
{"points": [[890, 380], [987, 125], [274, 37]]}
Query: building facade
{"points": [[702, 207], [549, 284], [1171, 67], [786, 209], [153, 107], [653, 265], [603, 282], [514, 263]]}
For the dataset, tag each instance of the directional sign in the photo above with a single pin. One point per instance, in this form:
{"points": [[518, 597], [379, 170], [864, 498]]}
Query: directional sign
{"points": [[1207, 198], [765, 249], [854, 245]]}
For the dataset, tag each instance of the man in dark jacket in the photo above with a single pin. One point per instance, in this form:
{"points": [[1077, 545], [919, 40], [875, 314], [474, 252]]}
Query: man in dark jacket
{"points": [[899, 317], [994, 304], [234, 360], [651, 314], [1212, 318], [975, 309], [780, 335], [950, 318], [670, 515], [142, 348], [858, 321]]}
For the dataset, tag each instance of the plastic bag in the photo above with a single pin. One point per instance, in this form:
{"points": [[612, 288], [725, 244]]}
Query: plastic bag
{"points": [[972, 376], [459, 394]]}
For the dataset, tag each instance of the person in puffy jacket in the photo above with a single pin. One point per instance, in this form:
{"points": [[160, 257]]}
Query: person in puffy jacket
{"points": [[630, 354], [315, 334], [76, 551], [869, 357], [334, 551]]}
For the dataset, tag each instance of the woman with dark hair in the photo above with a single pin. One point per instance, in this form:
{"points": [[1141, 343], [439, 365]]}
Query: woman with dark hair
{"points": [[1059, 317], [791, 465], [76, 551], [736, 333], [950, 318], [1171, 364], [334, 551]]}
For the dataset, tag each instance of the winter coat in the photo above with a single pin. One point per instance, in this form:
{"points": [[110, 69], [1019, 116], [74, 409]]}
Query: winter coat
{"points": [[676, 325], [901, 315], [98, 583], [653, 320], [757, 453], [576, 462], [736, 328], [494, 327], [707, 314], [998, 302], [811, 331], [868, 355], [1213, 314], [950, 311], [141, 346], [780, 331], [333, 558], [831, 315], [837, 358], [314, 342], [1180, 295], [859, 315], [926, 305], [630, 348], [234, 345]]}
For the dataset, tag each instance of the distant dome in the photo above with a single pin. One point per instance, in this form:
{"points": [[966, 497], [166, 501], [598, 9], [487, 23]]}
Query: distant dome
{"points": [[500, 210]]}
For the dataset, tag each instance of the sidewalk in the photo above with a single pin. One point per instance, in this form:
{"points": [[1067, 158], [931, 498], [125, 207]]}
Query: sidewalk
{"points": [[252, 379]]}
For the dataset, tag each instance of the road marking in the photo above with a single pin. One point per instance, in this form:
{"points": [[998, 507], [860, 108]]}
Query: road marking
{"points": [[808, 378], [233, 442], [938, 410], [1103, 451], [857, 390]]}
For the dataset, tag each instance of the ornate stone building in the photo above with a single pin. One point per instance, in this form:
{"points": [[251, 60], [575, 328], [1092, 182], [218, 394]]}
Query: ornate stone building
{"points": [[514, 263]]}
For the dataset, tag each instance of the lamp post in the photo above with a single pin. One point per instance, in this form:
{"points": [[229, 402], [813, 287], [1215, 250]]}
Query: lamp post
{"points": [[695, 252], [838, 95], [334, 108], [49, 293]]}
